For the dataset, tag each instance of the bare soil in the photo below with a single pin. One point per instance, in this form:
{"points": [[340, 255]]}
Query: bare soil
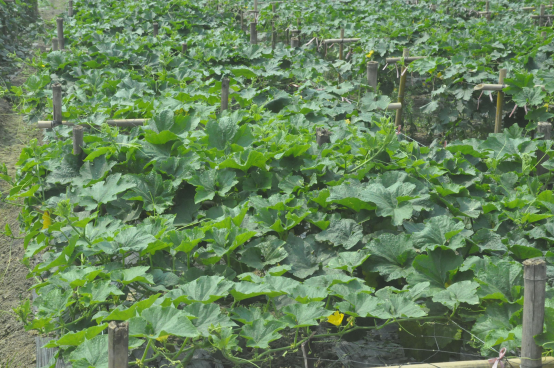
{"points": [[17, 347]]}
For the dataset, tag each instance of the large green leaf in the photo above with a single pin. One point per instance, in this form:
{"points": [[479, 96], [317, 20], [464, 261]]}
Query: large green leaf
{"points": [[438, 267], [260, 333], [391, 256], [104, 191], [158, 321], [155, 193], [345, 232]]}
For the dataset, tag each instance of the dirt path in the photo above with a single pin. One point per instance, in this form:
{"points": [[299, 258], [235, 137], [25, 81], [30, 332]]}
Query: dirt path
{"points": [[17, 347]]}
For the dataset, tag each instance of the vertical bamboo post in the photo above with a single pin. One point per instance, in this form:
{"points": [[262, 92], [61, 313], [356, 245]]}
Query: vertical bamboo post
{"points": [[78, 136], [287, 36], [118, 345], [273, 36], [57, 103], [534, 283], [70, 8], [184, 48], [59, 23], [487, 6], [541, 15], [253, 33], [242, 20], [341, 46], [545, 129], [224, 94], [294, 42], [256, 6], [55, 44], [298, 24], [156, 27], [372, 70], [401, 89], [499, 103]]}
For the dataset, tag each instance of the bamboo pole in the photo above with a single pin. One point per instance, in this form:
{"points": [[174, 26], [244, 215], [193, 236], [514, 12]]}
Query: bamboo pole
{"points": [[542, 15], [406, 59], [242, 20], [61, 43], [118, 122], [341, 40], [224, 94], [70, 8], [273, 36], [499, 102], [253, 33], [298, 24], [118, 344], [255, 5], [341, 46], [184, 48], [544, 129], [156, 27], [78, 136], [394, 106], [489, 87], [57, 103], [534, 286], [55, 44], [512, 363], [294, 42], [546, 16], [372, 71], [401, 89]]}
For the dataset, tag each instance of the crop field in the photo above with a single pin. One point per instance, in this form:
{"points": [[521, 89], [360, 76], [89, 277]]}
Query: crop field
{"points": [[348, 183]]}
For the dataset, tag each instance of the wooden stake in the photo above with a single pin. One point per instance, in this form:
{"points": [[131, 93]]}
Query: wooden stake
{"points": [[542, 15], [499, 103], [546, 130], [512, 363], [124, 123], [255, 5], [57, 103], [55, 44], [287, 36], [118, 345], [401, 89], [253, 33], [534, 283], [273, 36], [372, 70], [322, 136], [156, 27], [298, 24], [224, 94], [242, 20], [487, 6], [61, 44], [294, 42], [184, 48], [78, 144], [341, 46], [70, 8]]}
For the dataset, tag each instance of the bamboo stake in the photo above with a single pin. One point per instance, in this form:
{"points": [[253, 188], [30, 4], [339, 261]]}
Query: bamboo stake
{"points": [[512, 363], [118, 344], [372, 71], [253, 33], [534, 279], [341, 46], [224, 94], [406, 60], [78, 136], [546, 130], [401, 88], [57, 103], [273, 36], [61, 43], [294, 42], [55, 44], [542, 16], [119, 123], [242, 20], [341, 40], [184, 48], [298, 24], [499, 103], [255, 5], [156, 27], [70, 8]]}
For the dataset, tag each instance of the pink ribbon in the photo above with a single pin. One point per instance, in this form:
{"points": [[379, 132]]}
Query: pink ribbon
{"points": [[398, 129], [498, 361]]}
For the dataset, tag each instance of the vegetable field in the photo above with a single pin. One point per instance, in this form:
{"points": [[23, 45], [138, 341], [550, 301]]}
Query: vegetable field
{"points": [[299, 211]]}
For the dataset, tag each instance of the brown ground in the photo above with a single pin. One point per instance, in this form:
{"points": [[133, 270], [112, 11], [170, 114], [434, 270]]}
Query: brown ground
{"points": [[17, 347]]}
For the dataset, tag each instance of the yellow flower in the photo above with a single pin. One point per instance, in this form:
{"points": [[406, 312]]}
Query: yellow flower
{"points": [[439, 75], [43, 66], [46, 220], [370, 54], [447, 284], [300, 96], [347, 121], [546, 105], [162, 338], [335, 318]]}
